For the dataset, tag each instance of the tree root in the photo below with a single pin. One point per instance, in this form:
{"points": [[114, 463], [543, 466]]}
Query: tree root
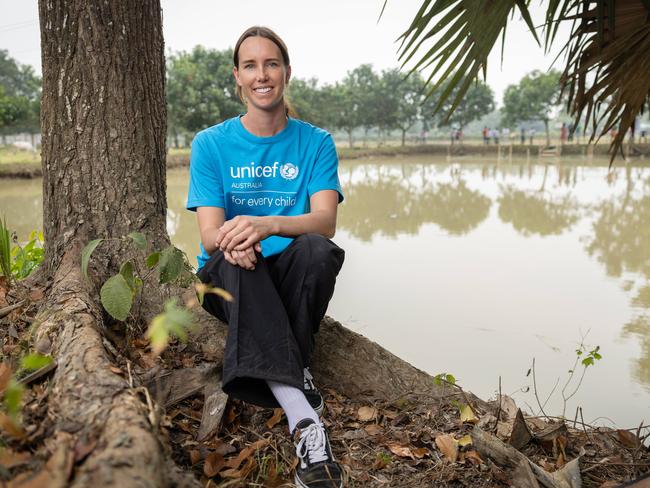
{"points": [[94, 404]]}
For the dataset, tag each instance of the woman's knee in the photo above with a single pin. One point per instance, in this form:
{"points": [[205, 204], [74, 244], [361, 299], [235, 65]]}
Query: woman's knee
{"points": [[316, 249]]}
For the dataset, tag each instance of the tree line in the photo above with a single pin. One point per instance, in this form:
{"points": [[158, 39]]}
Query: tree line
{"points": [[200, 92]]}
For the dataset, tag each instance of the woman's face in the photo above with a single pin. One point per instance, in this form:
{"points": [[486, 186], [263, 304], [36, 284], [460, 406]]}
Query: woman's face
{"points": [[261, 73]]}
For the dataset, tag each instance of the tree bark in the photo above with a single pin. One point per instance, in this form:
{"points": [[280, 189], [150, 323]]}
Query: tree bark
{"points": [[103, 122], [91, 401]]}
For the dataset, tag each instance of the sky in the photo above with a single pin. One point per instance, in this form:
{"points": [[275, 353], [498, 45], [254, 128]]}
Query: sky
{"points": [[325, 39]]}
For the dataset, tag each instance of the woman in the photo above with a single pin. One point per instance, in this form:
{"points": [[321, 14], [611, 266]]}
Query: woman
{"points": [[265, 188]]}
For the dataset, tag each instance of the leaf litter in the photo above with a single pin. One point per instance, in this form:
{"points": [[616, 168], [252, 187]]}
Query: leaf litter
{"points": [[409, 442]]}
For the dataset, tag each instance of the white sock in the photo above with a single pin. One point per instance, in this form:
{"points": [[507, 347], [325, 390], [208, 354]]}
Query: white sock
{"points": [[293, 402]]}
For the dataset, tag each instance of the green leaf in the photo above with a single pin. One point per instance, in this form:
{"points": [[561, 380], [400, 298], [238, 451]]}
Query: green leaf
{"points": [[170, 264], [174, 320], [35, 361], [597, 356], [451, 379], [152, 259], [588, 361], [13, 395], [126, 270], [139, 238], [85, 255], [116, 297]]}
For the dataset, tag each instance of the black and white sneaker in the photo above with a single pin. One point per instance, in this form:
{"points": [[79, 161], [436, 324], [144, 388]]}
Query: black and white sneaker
{"points": [[312, 394], [317, 467]]}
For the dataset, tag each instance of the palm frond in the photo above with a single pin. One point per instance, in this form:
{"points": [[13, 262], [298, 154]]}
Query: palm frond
{"points": [[462, 34], [607, 72]]}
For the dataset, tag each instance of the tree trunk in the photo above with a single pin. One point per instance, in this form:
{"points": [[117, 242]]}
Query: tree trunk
{"points": [[103, 149], [103, 122], [350, 138]]}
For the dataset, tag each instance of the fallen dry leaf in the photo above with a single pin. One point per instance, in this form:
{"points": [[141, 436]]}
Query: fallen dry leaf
{"points": [[400, 450], [467, 415], [36, 294], [277, 416], [214, 462], [420, 452], [373, 429], [448, 446], [240, 473], [466, 440], [10, 427], [5, 376], [627, 438], [366, 414], [116, 370], [508, 407], [10, 459], [195, 456], [473, 456]]}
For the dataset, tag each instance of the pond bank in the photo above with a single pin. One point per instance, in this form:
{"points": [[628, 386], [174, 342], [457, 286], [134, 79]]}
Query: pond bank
{"points": [[182, 159], [420, 438]]}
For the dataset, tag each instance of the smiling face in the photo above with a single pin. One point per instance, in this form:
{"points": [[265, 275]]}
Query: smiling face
{"points": [[261, 74]]}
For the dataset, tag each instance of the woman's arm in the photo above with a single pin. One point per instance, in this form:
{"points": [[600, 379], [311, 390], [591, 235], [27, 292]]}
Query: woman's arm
{"points": [[244, 231], [210, 220]]}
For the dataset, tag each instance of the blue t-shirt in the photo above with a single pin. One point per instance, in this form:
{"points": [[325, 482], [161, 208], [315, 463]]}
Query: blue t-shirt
{"points": [[245, 174]]}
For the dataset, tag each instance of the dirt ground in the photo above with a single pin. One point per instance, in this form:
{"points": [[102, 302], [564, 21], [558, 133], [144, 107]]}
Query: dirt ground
{"points": [[410, 441]]}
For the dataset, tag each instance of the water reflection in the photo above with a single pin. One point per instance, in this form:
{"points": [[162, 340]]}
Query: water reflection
{"points": [[535, 213], [390, 203], [639, 328], [621, 235], [455, 207], [597, 275]]}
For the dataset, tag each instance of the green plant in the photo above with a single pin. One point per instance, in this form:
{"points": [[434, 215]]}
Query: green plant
{"points": [[444, 378], [27, 258], [119, 292], [12, 391], [584, 358], [5, 253]]}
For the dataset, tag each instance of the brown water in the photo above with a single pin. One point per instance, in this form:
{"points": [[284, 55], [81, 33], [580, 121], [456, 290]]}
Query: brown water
{"points": [[476, 268]]}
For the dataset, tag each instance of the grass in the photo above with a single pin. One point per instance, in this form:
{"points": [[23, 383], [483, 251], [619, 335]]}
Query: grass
{"points": [[12, 155]]}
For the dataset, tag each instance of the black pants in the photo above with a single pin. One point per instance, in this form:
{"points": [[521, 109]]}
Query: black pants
{"points": [[276, 311]]}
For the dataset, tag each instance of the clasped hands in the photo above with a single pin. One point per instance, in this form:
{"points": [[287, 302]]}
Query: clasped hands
{"points": [[240, 237]]}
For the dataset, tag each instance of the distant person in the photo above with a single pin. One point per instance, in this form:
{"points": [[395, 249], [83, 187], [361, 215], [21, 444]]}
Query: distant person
{"points": [[495, 136], [571, 130], [564, 134], [522, 136], [265, 188], [505, 135], [531, 135], [486, 135]]}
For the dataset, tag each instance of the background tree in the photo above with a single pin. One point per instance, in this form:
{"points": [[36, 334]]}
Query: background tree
{"points": [[361, 87], [399, 101], [477, 102], [344, 107], [22, 94], [608, 52], [310, 102], [200, 90], [535, 97]]}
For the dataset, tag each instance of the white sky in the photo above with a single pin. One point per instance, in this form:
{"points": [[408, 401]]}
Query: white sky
{"points": [[324, 42]]}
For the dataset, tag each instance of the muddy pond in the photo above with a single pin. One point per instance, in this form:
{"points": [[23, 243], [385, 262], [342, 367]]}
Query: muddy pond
{"points": [[475, 267]]}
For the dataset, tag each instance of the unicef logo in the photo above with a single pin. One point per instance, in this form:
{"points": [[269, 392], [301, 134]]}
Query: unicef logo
{"points": [[289, 171]]}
